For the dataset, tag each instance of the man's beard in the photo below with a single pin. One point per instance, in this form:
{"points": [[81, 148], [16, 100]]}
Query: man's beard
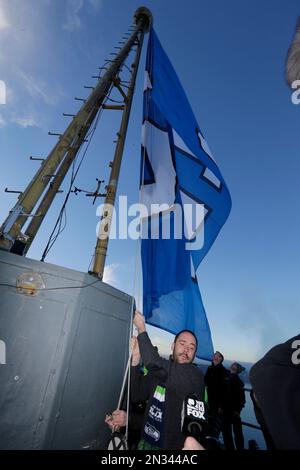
{"points": [[182, 358]]}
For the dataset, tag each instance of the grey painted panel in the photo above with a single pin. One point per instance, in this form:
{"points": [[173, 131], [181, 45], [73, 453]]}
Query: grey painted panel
{"points": [[64, 366], [92, 385], [31, 340]]}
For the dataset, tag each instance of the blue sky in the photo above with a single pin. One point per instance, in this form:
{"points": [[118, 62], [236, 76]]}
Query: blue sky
{"points": [[230, 57]]}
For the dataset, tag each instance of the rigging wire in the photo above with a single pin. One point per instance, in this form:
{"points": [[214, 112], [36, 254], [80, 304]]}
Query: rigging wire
{"points": [[126, 66], [58, 225], [115, 101]]}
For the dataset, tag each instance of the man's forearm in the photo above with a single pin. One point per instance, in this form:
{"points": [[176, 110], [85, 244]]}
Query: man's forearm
{"points": [[141, 329], [149, 353], [135, 360]]}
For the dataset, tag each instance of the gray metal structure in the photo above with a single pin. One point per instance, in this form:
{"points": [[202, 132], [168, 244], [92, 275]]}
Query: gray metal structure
{"points": [[66, 353]]}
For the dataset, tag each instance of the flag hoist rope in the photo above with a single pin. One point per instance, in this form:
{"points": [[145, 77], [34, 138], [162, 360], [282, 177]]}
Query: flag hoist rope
{"points": [[145, 12], [136, 290]]}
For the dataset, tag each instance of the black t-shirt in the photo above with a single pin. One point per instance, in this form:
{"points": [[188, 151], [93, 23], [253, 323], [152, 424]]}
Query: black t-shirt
{"points": [[276, 383]]}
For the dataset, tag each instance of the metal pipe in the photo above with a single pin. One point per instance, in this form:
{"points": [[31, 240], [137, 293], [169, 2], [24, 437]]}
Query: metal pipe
{"points": [[249, 425], [11, 228]]}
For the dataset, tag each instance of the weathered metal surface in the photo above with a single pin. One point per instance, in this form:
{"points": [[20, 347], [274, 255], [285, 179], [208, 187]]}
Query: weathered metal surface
{"points": [[66, 352]]}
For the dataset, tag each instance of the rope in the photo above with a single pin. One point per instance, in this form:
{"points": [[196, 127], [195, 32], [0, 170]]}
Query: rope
{"points": [[135, 277], [124, 382]]}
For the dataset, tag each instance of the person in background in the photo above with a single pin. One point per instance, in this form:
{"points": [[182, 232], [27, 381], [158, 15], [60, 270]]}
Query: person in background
{"points": [[216, 378], [275, 380], [233, 404]]}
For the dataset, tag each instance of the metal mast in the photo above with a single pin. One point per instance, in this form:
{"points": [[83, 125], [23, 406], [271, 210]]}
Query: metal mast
{"points": [[64, 152], [103, 236]]}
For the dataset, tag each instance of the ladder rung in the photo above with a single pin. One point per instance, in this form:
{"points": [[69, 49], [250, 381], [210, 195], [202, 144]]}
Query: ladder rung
{"points": [[110, 106]]}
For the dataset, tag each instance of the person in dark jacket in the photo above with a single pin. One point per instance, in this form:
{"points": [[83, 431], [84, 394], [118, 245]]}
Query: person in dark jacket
{"points": [[216, 378], [233, 405], [171, 382], [260, 419], [275, 381]]}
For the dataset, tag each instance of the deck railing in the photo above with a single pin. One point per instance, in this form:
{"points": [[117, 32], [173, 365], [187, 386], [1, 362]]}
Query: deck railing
{"points": [[245, 423]]}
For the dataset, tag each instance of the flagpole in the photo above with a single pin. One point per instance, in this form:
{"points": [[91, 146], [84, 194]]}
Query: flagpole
{"points": [[64, 152], [103, 235]]}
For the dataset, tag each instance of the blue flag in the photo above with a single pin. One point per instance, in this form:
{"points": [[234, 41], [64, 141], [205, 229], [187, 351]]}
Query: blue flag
{"points": [[187, 203]]}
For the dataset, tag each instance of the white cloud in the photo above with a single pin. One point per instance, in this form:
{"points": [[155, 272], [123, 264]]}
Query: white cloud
{"points": [[110, 275], [25, 121], [38, 88], [2, 92], [74, 7], [73, 21], [96, 3], [161, 339], [26, 91], [2, 121], [4, 23], [28, 40]]}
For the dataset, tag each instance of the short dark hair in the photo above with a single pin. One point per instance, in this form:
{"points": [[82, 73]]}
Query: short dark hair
{"points": [[186, 331], [220, 354]]}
